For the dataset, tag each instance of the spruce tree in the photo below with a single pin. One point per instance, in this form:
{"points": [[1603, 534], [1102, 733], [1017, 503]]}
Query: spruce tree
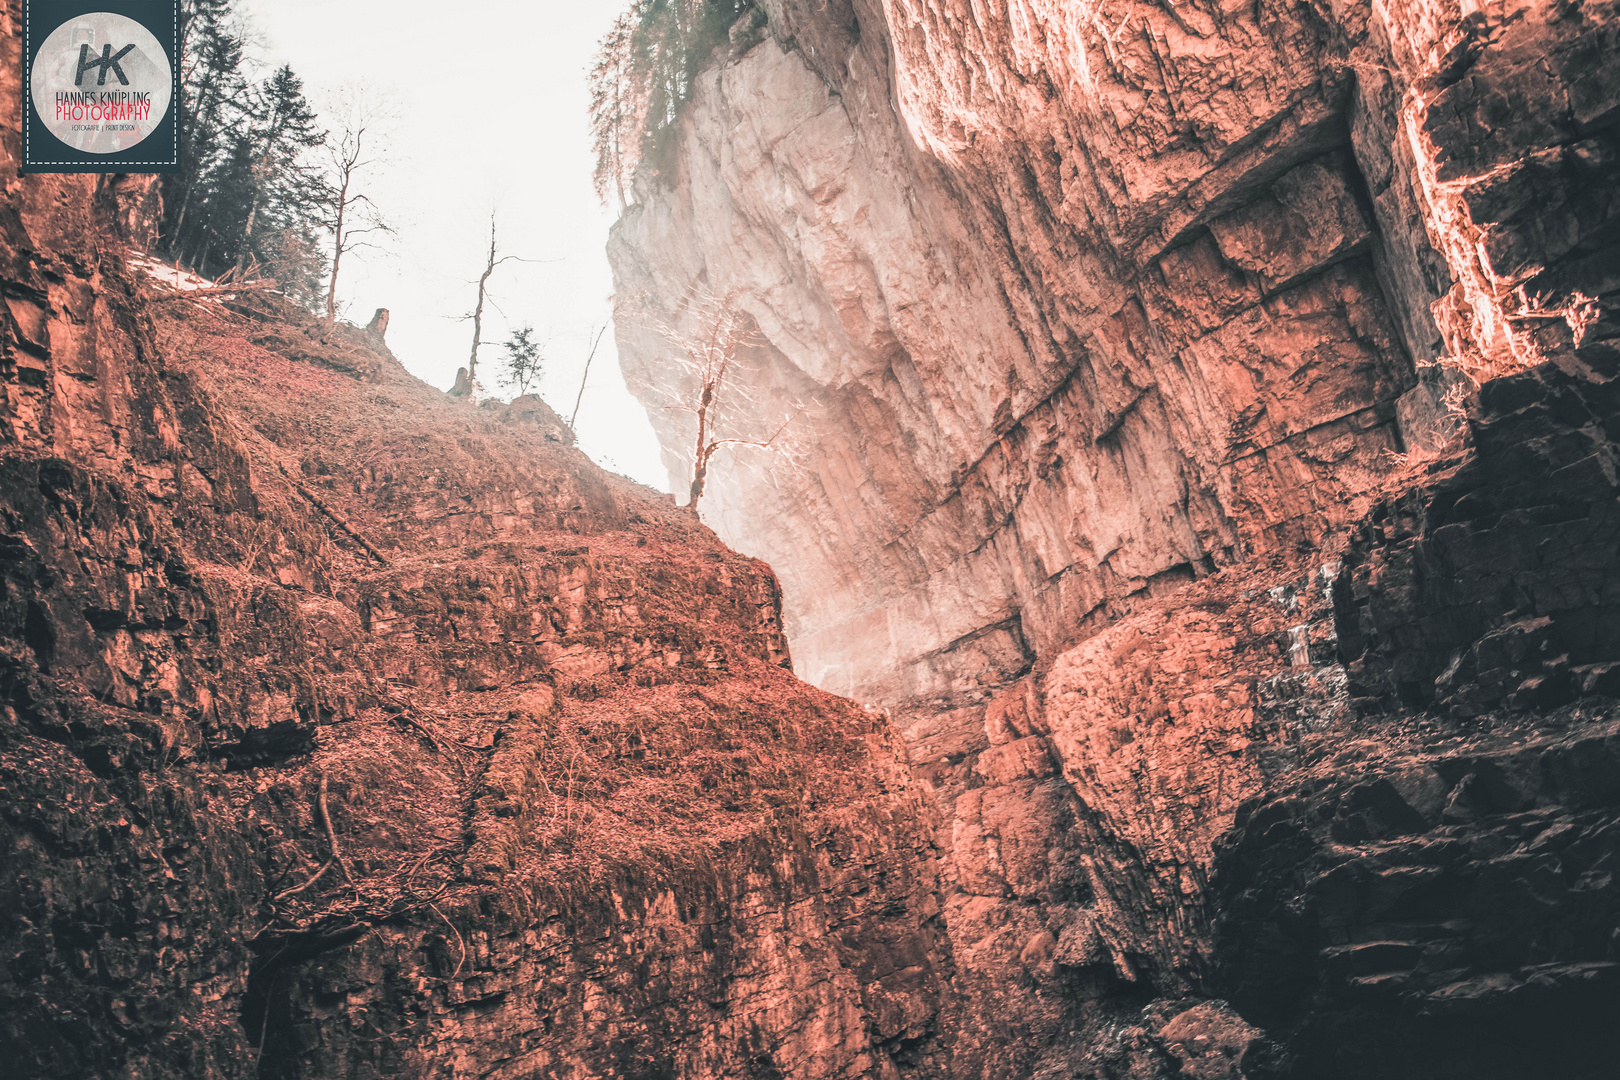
{"points": [[213, 86], [645, 70], [524, 360], [282, 186], [246, 192]]}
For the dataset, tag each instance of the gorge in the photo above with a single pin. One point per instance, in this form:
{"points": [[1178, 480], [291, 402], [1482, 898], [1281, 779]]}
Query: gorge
{"points": [[1198, 542]]}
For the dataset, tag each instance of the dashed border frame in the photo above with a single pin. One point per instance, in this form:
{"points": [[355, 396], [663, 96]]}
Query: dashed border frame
{"points": [[176, 102]]}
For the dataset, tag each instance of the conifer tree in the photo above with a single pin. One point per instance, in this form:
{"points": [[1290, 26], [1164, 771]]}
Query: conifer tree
{"points": [[644, 72], [524, 360], [617, 103], [212, 85], [246, 193], [281, 186]]}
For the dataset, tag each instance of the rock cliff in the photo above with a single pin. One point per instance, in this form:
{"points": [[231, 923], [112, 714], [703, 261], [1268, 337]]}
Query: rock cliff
{"points": [[1239, 678], [1140, 471], [347, 730], [1083, 303]]}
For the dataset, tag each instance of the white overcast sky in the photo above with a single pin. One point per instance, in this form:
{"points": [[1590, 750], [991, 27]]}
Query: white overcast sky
{"points": [[491, 99]]}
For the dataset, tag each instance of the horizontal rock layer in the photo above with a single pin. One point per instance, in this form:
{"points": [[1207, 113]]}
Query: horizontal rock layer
{"points": [[1500, 582], [1423, 902]]}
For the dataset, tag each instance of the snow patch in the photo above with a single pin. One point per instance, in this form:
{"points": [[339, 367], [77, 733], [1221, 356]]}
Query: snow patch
{"points": [[167, 274]]}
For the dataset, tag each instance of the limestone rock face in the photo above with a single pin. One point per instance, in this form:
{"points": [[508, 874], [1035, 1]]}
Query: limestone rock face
{"points": [[1128, 347], [1239, 696], [1082, 301]]}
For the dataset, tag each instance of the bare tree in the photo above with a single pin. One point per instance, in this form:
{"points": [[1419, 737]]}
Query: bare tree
{"points": [[583, 379], [494, 260], [349, 214], [712, 357]]}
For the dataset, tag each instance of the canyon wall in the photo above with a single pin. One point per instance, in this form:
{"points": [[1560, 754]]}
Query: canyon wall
{"points": [[349, 730], [1082, 303], [1136, 465], [1238, 683]]}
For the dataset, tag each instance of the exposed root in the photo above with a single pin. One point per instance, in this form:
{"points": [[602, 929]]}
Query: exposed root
{"points": [[331, 836], [296, 889], [459, 939], [335, 859], [404, 717], [401, 713], [337, 518]]}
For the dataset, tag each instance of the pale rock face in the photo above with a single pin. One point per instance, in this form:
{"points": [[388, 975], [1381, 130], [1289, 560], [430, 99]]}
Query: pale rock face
{"points": [[1036, 383], [1083, 300]]}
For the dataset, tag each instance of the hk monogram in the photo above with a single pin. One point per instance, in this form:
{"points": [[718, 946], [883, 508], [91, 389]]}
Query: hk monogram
{"points": [[107, 61]]}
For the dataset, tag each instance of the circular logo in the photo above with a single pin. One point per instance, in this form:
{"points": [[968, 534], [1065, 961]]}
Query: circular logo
{"points": [[101, 83]]}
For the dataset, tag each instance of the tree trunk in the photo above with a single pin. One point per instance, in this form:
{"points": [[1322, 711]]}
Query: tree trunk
{"points": [[478, 312], [180, 225], [205, 109], [699, 475], [337, 252], [247, 231], [618, 159], [261, 171], [586, 377], [478, 327], [700, 464]]}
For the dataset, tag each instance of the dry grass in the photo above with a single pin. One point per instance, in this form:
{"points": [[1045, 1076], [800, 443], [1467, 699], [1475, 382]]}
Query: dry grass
{"points": [[679, 739]]}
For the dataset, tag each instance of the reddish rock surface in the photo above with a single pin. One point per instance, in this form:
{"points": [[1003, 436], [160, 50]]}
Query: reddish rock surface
{"points": [[346, 730], [588, 823], [1086, 300], [1237, 709], [1110, 320]]}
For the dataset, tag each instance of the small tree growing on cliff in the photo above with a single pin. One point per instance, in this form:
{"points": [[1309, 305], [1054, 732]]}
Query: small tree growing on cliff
{"points": [[494, 260], [711, 356], [524, 359]]}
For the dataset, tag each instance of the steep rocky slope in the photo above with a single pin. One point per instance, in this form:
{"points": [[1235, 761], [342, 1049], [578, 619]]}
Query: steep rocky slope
{"points": [[346, 730], [1133, 343]]}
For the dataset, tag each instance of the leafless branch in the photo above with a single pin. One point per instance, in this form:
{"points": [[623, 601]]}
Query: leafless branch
{"points": [[494, 260], [459, 939], [588, 358], [711, 352], [331, 834], [361, 128], [338, 519]]}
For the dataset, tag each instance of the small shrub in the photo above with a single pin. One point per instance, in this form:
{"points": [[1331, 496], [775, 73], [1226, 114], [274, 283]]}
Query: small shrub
{"points": [[524, 360]]}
